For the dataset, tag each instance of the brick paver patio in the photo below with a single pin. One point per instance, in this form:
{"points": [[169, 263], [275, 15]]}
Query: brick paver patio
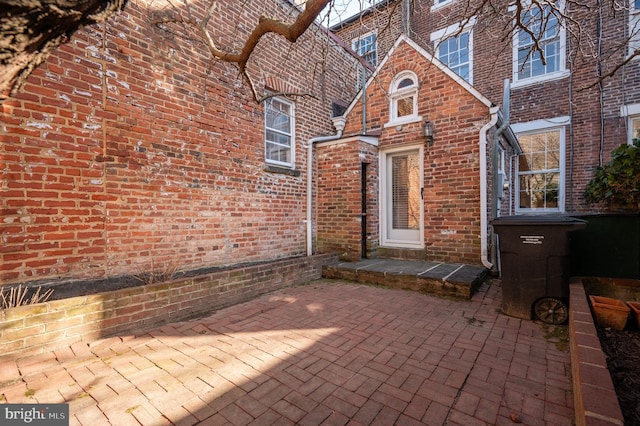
{"points": [[329, 352]]}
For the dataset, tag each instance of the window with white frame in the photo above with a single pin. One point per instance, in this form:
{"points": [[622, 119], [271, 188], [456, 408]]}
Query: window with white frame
{"points": [[403, 96], [367, 47], [634, 128], [279, 132], [454, 48], [454, 52], [541, 56], [631, 113], [540, 186], [440, 3], [634, 26]]}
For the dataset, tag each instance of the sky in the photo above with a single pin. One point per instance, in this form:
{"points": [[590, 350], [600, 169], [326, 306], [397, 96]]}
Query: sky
{"points": [[344, 9]]}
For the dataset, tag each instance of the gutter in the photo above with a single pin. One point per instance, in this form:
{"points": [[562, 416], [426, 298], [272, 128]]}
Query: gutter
{"points": [[338, 123], [484, 256]]}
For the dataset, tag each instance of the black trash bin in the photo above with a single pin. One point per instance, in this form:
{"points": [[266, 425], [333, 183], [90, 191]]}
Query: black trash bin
{"points": [[534, 265]]}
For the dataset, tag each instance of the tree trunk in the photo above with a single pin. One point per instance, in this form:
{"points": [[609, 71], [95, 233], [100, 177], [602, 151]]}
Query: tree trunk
{"points": [[31, 29]]}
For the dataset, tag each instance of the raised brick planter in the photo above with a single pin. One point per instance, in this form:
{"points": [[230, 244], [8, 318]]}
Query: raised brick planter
{"points": [[595, 397], [36, 329]]}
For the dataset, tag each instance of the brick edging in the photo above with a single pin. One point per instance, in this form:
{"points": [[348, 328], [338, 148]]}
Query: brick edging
{"points": [[36, 329], [595, 399]]}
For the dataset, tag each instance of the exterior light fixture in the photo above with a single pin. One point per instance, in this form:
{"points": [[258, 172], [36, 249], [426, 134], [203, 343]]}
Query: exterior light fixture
{"points": [[428, 132]]}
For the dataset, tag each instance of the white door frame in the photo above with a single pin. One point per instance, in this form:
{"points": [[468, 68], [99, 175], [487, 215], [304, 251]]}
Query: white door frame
{"points": [[411, 239]]}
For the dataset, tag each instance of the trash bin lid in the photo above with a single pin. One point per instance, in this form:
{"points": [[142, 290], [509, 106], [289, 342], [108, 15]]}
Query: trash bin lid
{"points": [[541, 219]]}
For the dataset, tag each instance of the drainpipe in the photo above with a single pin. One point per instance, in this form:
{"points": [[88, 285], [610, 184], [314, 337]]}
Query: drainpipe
{"points": [[364, 100], [407, 17], [484, 256], [338, 123], [506, 101]]}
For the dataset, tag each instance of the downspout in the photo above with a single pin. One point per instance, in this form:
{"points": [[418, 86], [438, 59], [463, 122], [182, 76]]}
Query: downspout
{"points": [[364, 100], [484, 252], [407, 17], [338, 123], [506, 101], [600, 86]]}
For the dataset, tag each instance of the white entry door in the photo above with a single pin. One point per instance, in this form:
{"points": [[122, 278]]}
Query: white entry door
{"points": [[402, 210]]}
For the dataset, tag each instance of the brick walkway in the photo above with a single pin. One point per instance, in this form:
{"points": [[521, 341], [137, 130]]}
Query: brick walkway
{"points": [[330, 353]]}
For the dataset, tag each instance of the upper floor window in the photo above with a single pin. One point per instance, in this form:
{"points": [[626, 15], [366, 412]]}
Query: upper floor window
{"points": [[279, 132], [540, 186], [440, 3], [539, 52], [634, 26], [367, 47], [403, 95], [454, 48], [454, 52]]}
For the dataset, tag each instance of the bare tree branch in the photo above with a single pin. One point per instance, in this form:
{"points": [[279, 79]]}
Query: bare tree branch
{"points": [[614, 71], [30, 30], [265, 25]]}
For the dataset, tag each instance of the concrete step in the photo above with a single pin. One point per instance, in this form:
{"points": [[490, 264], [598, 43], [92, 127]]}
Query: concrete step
{"points": [[441, 279]]}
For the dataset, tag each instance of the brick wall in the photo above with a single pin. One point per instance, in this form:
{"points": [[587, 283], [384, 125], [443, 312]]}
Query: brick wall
{"points": [[451, 165], [593, 133], [35, 329], [339, 198], [385, 20], [594, 394], [130, 148]]}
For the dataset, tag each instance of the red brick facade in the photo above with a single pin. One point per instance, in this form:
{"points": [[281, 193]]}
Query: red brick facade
{"points": [[594, 125], [339, 202], [385, 20], [452, 205], [130, 149]]}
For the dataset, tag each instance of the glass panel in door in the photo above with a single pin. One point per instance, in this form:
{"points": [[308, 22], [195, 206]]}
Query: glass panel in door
{"points": [[404, 198]]}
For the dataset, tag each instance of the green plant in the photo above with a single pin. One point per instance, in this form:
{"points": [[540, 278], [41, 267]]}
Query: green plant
{"points": [[618, 182]]}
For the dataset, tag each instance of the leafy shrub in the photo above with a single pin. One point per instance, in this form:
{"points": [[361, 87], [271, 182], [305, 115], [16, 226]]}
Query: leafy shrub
{"points": [[618, 182]]}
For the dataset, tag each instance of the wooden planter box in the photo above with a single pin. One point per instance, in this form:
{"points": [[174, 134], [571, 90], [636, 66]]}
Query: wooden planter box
{"points": [[635, 307], [609, 313]]}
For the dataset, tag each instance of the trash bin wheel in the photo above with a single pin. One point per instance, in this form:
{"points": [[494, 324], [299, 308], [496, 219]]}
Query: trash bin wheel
{"points": [[551, 310]]}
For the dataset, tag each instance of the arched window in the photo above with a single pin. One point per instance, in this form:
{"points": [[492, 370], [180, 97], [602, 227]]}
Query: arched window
{"points": [[403, 96]]}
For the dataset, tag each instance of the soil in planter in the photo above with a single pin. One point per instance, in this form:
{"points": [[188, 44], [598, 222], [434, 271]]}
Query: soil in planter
{"points": [[622, 349]]}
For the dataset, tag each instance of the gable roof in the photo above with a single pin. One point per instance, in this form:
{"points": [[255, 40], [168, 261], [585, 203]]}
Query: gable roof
{"points": [[429, 57]]}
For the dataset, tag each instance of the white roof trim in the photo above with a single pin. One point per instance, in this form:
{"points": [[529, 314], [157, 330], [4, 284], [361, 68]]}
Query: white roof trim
{"points": [[371, 140]]}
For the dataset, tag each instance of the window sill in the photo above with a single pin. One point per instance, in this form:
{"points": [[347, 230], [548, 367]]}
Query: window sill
{"points": [[270, 168], [403, 121], [540, 79]]}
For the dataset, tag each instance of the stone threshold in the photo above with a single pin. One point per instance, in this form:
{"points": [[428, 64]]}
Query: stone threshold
{"points": [[440, 279]]}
